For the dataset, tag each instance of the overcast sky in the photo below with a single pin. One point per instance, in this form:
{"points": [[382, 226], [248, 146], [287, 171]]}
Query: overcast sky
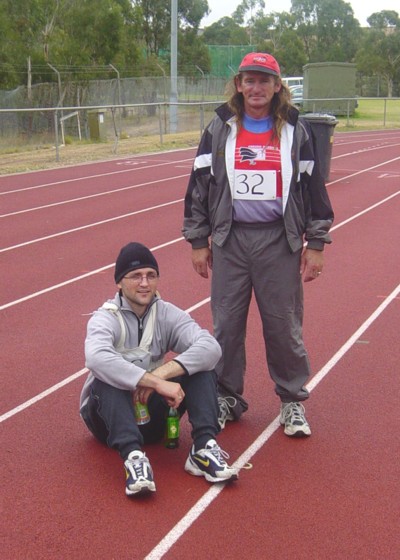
{"points": [[361, 8]]}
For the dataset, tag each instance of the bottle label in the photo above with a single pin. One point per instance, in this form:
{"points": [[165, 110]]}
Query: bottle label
{"points": [[141, 413], [173, 427]]}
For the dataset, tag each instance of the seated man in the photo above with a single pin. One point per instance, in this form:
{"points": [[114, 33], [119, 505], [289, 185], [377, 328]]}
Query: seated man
{"points": [[127, 339]]}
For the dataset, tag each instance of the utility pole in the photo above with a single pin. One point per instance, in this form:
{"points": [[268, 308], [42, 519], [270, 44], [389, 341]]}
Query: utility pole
{"points": [[173, 118], [59, 104]]}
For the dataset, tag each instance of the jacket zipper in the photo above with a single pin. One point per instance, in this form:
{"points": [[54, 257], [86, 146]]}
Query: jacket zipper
{"points": [[140, 331]]}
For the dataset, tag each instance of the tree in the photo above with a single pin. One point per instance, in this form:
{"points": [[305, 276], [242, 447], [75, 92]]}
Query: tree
{"points": [[225, 32], [27, 27], [384, 19], [272, 28], [191, 12], [246, 6], [156, 20], [277, 35], [328, 29], [193, 54], [243, 9], [380, 50], [155, 31], [69, 34]]}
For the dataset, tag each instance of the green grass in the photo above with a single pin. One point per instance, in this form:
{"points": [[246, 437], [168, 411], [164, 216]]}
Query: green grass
{"points": [[373, 113]]}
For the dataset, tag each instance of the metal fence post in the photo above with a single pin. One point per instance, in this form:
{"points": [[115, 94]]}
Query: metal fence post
{"points": [[117, 135], [202, 99], [384, 113], [56, 135], [160, 122], [165, 97]]}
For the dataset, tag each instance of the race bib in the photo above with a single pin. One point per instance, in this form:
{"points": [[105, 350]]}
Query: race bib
{"points": [[255, 185]]}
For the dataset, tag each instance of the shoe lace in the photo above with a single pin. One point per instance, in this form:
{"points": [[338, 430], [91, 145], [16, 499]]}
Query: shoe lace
{"points": [[219, 454], [295, 411], [225, 404], [138, 465]]}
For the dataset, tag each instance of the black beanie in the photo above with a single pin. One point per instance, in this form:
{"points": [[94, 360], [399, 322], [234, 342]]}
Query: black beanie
{"points": [[132, 257]]}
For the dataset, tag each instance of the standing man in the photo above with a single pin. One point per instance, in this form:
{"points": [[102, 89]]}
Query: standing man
{"points": [[256, 190], [127, 339]]}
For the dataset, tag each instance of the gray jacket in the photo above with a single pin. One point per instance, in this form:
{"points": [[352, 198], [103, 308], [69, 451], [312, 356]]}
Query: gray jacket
{"points": [[307, 212], [174, 330]]}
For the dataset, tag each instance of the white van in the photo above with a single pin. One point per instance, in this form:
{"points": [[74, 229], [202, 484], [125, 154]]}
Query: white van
{"points": [[293, 81]]}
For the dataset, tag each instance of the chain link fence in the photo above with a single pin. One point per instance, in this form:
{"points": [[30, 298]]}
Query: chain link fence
{"points": [[124, 107], [111, 110]]}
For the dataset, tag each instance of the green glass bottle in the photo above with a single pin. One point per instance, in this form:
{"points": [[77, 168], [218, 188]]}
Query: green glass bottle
{"points": [[172, 430]]}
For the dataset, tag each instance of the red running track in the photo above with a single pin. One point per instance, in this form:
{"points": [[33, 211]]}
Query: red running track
{"points": [[333, 496]]}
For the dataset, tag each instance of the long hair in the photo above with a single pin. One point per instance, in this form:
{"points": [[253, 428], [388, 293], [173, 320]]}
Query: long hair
{"points": [[280, 104]]}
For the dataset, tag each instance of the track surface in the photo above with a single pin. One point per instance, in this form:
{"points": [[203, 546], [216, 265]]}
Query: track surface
{"points": [[335, 495]]}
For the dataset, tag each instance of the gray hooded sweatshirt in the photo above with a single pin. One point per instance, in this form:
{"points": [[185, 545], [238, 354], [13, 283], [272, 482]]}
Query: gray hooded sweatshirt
{"points": [[173, 331]]}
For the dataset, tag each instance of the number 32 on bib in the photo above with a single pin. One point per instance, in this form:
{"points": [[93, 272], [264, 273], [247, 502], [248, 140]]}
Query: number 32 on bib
{"points": [[255, 185]]}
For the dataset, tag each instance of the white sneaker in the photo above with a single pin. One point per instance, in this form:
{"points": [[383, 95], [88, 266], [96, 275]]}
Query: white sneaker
{"points": [[139, 474], [210, 463], [293, 418], [225, 404]]}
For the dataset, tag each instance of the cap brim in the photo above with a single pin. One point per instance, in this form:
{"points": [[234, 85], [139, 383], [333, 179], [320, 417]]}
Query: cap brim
{"points": [[258, 69]]}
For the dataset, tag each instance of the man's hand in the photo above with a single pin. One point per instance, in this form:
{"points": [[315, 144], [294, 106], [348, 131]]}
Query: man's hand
{"points": [[202, 260], [172, 392], [311, 264], [142, 394], [157, 380]]}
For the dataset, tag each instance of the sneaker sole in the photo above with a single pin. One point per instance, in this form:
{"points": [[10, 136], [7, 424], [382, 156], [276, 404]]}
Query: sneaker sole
{"points": [[142, 490], [195, 471], [297, 432], [230, 418]]}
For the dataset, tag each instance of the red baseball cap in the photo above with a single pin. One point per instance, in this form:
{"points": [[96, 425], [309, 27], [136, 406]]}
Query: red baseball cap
{"points": [[260, 62]]}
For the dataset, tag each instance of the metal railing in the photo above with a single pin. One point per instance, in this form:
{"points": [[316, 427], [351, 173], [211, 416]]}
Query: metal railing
{"points": [[24, 127]]}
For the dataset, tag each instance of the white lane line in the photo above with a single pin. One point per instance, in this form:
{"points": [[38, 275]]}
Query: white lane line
{"points": [[355, 216], [69, 379], [97, 176], [81, 372], [87, 226], [194, 513], [363, 171], [154, 207], [373, 134], [244, 458], [76, 279], [98, 270], [105, 193], [42, 395], [198, 509], [363, 150], [340, 142]]}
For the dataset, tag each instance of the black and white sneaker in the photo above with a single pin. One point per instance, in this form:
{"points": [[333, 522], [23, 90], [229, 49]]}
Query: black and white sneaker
{"points": [[292, 416], [225, 413], [139, 474], [210, 463]]}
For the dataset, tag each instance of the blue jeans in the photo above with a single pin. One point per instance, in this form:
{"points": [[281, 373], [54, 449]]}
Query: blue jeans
{"points": [[109, 413]]}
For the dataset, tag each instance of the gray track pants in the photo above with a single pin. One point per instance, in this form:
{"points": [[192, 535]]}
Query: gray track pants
{"points": [[257, 257]]}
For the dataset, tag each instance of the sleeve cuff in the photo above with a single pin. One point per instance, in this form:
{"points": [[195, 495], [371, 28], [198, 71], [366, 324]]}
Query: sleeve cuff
{"points": [[199, 243], [182, 366], [316, 245]]}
